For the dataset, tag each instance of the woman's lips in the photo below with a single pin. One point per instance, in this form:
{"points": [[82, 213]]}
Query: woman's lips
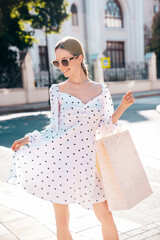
{"points": [[66, 71]]}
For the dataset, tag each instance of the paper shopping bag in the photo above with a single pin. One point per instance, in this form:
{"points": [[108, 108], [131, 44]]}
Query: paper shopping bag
{"points": [[123, 176]]}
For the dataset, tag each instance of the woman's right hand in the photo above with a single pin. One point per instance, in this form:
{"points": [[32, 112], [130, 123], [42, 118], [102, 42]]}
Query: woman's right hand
{"points": [[19, 143]]}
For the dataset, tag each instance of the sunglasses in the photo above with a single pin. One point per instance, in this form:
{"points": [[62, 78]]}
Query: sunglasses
{"points": [[65, 62]]}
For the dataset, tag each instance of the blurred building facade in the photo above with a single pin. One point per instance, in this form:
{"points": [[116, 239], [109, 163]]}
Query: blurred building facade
{"points": [[109, 27]]}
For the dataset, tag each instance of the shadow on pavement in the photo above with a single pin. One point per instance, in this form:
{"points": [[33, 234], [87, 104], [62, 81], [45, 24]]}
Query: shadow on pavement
{"points": [[15, 128]]}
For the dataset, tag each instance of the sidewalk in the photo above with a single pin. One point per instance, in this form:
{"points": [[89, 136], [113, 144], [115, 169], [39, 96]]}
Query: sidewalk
{"points": [[45, 106]]}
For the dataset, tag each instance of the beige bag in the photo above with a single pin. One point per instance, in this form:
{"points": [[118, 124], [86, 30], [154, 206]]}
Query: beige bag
{"points": [[123, 176]]}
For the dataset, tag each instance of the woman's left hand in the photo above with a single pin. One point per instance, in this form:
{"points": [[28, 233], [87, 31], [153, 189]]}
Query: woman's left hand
{"points": [[127, 100]]}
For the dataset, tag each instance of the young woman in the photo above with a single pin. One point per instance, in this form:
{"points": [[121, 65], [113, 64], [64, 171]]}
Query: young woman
{"points": [[59, 165]]}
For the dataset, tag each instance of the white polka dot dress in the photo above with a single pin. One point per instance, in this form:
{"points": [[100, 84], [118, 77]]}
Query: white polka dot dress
{"points": [[59, 163]]}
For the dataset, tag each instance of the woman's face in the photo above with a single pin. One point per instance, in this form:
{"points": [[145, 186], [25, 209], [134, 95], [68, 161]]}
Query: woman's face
{"points": [[74, 64]]}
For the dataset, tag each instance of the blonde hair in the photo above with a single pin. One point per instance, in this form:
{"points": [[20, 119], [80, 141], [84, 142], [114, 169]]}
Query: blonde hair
{"points": [[73, 46]]}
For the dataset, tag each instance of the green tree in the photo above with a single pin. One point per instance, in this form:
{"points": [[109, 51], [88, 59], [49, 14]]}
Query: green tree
{"points": [[20, 18], [154, 44]]}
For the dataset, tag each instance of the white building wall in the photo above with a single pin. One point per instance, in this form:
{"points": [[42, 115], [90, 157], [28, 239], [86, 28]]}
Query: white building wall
{"points": [[93, 26], [138, 30]]}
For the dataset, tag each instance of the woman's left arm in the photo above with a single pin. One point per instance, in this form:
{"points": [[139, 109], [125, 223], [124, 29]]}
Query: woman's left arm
{"points": [[126, 102]]}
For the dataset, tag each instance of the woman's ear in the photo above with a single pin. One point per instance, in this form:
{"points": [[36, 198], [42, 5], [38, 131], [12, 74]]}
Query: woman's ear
{"points": [[80, 58]]}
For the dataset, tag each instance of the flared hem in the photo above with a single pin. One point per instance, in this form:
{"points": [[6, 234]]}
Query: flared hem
{"points": [[84, 206], [13, 181]]}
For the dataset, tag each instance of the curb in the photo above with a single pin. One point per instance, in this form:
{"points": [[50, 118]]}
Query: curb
{"points": [[147, 95], [116, 96], [24, 110]]}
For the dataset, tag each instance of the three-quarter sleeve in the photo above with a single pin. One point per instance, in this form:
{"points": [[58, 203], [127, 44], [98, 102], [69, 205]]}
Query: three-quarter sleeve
{"points": [[44, 135], [106, 124]]}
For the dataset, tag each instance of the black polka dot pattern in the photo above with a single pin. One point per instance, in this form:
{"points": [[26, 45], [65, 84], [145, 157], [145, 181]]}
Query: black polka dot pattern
{"points": [[59, 163]]}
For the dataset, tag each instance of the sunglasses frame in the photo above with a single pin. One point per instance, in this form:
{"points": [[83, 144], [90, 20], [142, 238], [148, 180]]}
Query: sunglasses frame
{"points": [[68, 59]]}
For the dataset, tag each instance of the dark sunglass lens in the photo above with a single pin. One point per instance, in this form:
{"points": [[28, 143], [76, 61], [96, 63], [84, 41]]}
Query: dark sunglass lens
{"points": [[65, 62], [56, 64]]}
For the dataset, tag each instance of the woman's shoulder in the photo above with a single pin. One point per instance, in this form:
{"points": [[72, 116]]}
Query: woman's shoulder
{"points": [[62, 85], [96, 83], [103, 85], [53, 87]]}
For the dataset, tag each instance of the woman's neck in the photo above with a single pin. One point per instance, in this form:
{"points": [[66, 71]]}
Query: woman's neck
{"points": [[78, 79]]}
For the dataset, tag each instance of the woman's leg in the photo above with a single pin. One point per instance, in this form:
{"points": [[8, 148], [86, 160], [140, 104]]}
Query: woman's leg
{"points": [[62, 216], [105, 217]]}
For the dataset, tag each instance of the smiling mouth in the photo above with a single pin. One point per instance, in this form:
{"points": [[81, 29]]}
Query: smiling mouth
{"points": [[66, 71]]}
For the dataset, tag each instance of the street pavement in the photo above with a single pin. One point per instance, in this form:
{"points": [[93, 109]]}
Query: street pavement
{"points": [[26, 217]]}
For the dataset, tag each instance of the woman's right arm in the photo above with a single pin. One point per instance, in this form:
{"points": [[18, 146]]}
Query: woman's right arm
{"points": [[19, 143]]}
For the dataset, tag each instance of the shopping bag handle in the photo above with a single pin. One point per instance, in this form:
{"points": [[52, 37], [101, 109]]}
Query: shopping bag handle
{"points": [[117, 130]]}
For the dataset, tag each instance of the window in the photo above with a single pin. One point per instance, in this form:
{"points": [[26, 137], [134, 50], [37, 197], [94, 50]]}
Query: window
{"points": [[115, 50], [113, 14], [74, 15], [43, 58]]}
